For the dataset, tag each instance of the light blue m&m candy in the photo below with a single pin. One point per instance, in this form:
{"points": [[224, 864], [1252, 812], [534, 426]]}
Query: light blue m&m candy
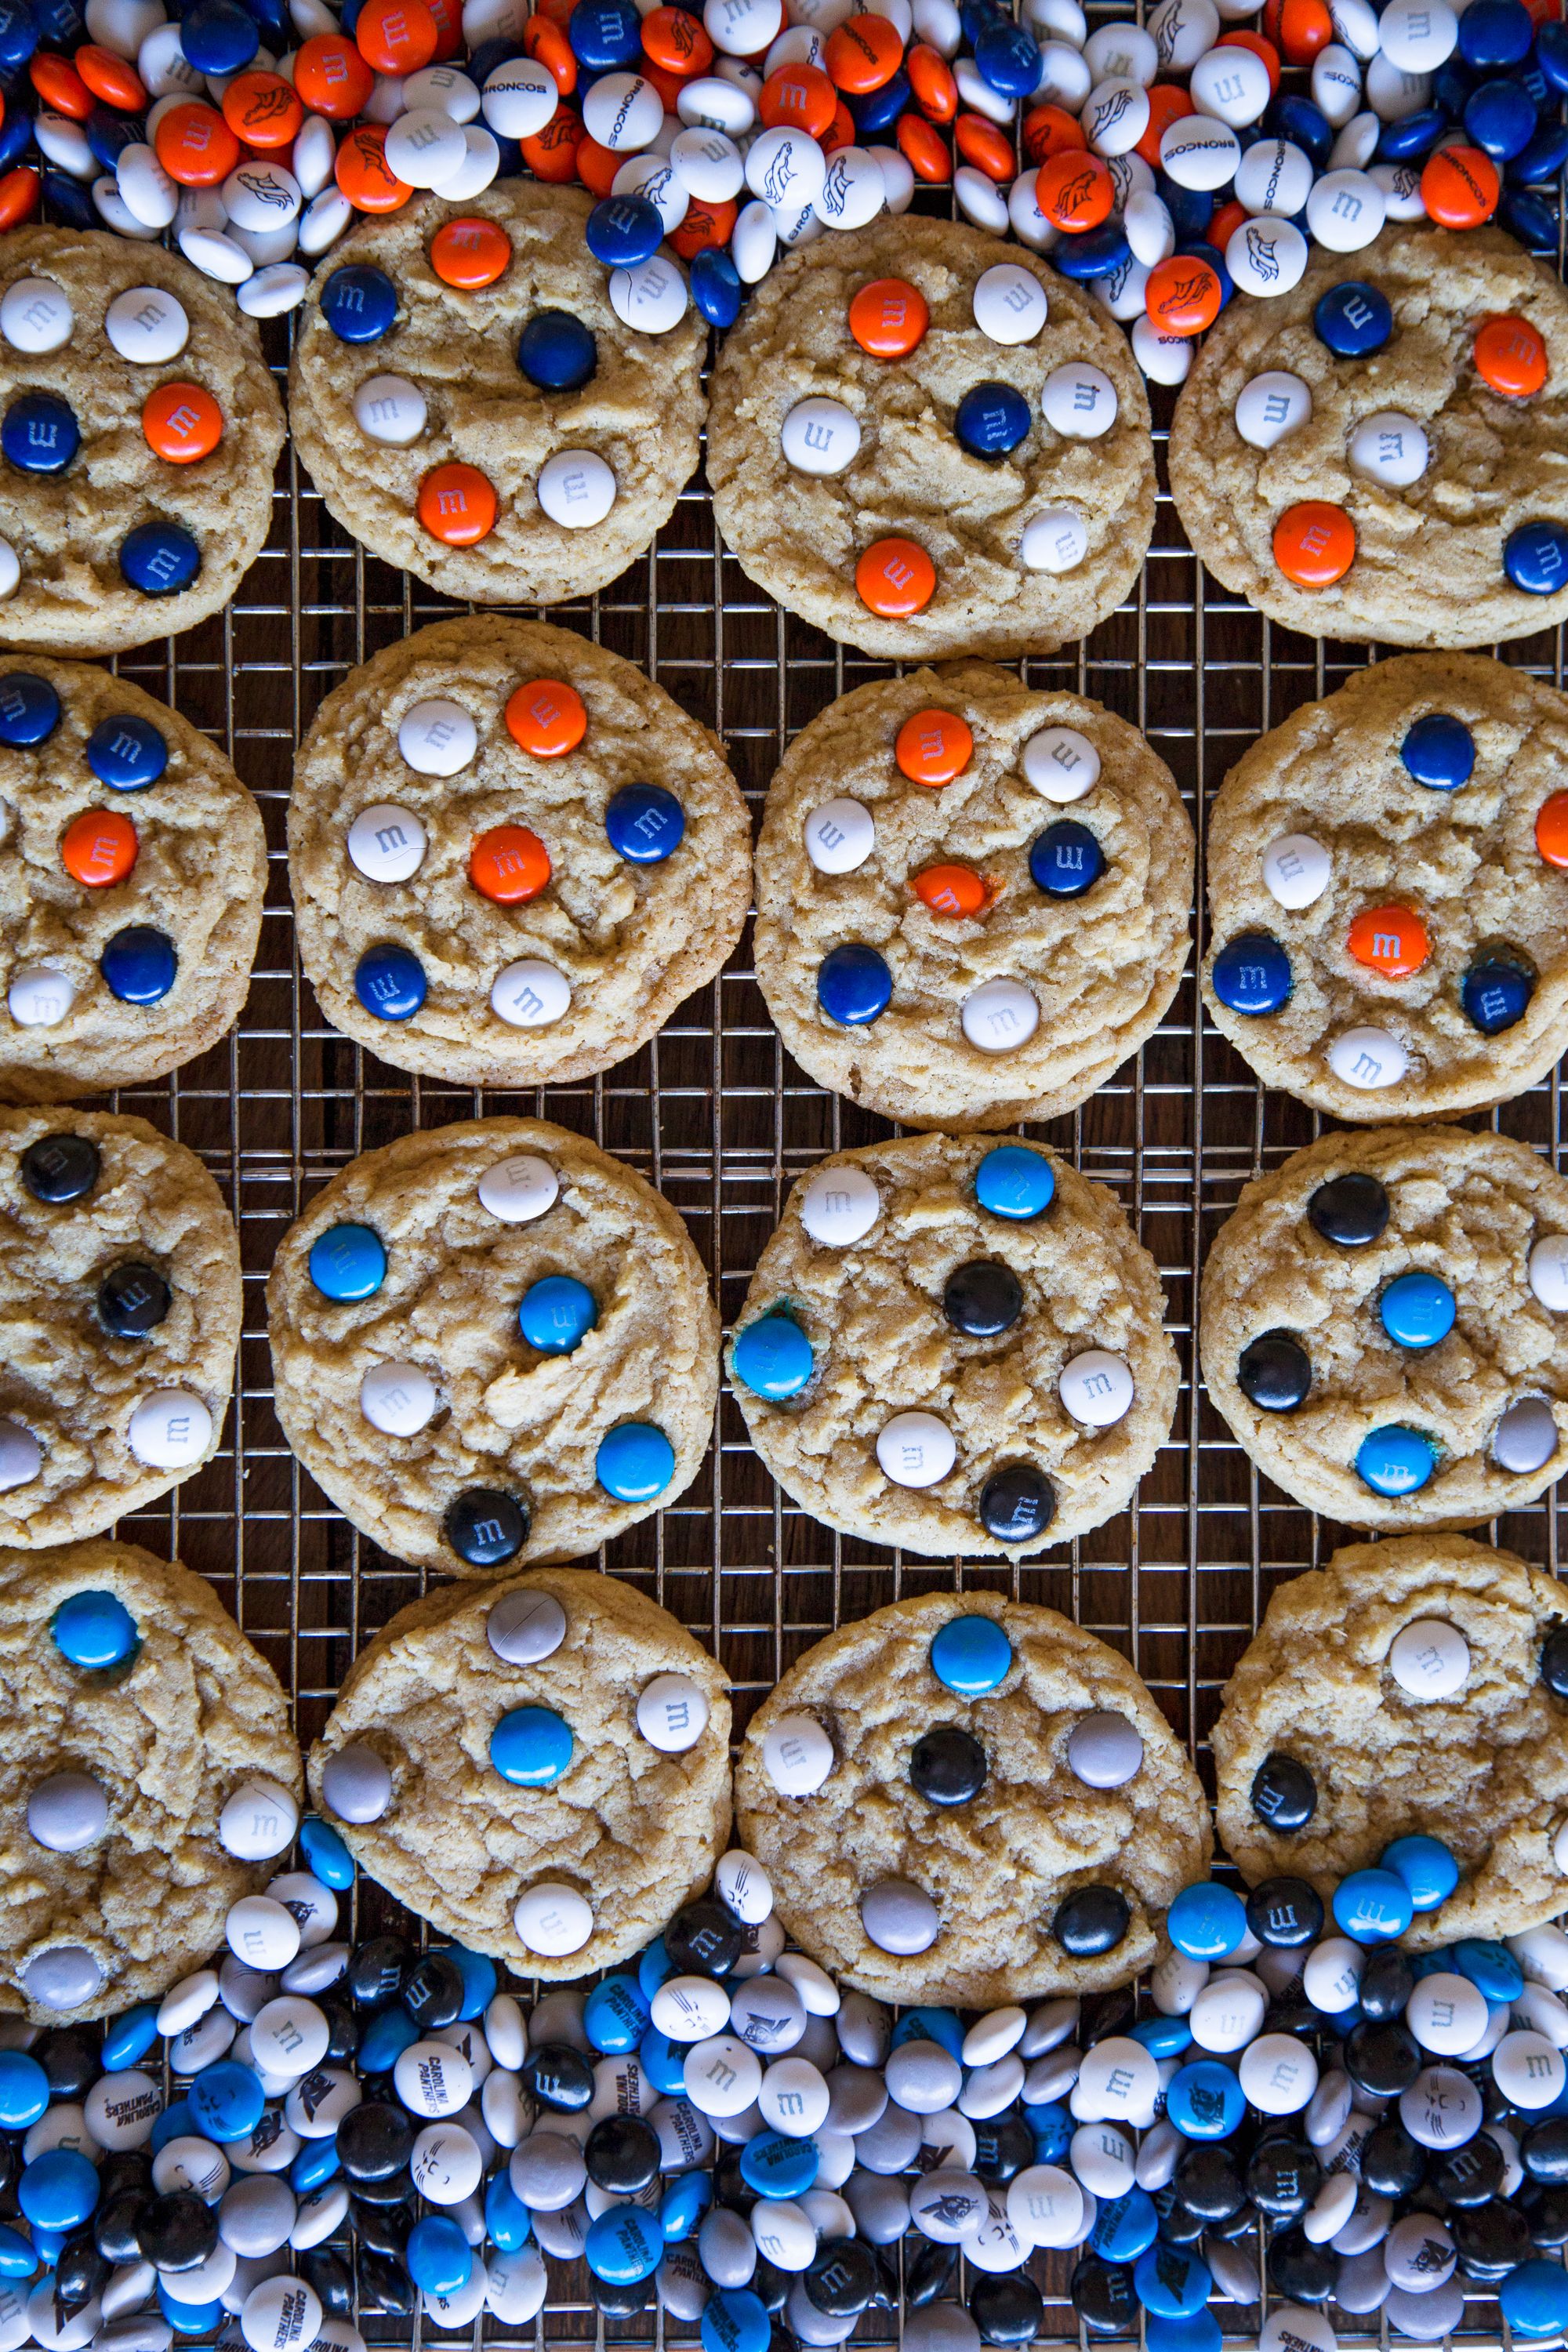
{"points": [[1394, 1460], [348, 1262], [1426, 1865], [615, 2015], [507, 2218], [1172, 2281], [773, 1356], [531, 1746], [1204, 2101], [94, 1630], [1534, 2298], [1416, 1310], [1014, 1183], [227, 2100], [557, 1314], [777, 2163], [1206, 1922], [1372, 1906], [1125, 2227], [971, 1655], [735, 2320], [437, 2255], [624, 2244], [635, 1462], [23, 2090], [59, 2189]]}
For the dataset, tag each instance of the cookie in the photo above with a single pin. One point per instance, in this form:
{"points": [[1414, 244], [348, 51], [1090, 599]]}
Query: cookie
{"points": [[965, 1800], [1384, 1325], [475, 411], [148, 1776], [492, 1343], [541, 1769], [132, 870], [925, 446], [1376, 454], [120, 1315], [1388, 892], [971, 900], [1399, 1692], [512, 855], [141, 429], [955, 1346]]}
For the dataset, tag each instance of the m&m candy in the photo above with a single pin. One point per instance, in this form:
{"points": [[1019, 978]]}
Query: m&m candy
{"points": [[457, 504], [1314, 543], [895, 578]]}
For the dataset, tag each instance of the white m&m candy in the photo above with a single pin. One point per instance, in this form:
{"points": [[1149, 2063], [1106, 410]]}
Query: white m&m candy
{"points": [[438, 738], [389, 409], [1078, 400], [259, 1821], [530, 995], [839, 1206], [797, 1755], [672, 1713], [915, 1449], [1266, 256], [1000, 1015], [424, 147], [397, 1399], [525, 1626], [385, 843], [1368, 1059], [170, 1429], [839, 836], [520, 97], [652, 296], [21, 1456], [147, 326], [1056, 542], [1095, 1387], [1295, 870], [1391, 448], [1430, 1659], [1061, 764], [1418, 35], [786, 169], [576, 489], [1198, 153], [1270, 406], [1009, 303], [1345, 211], [35, 315], [519, 1189], [39, 996], [1116, 116], [819, 437]]}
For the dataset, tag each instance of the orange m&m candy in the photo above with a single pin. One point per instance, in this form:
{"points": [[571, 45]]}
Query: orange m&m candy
{"points": [[598, 166], [331, 76], [1183, 295], [930, 79], [549, 47], [195, 145], [840, 131], [1297, 28], [457, 505], [703, 223], [933, 746], [109, 77], [1223, 224], [920, 145], [1051, 131], [1551, 830], [550, 155], [1389, 940], [547, 716], [981, 144], [1460, 187], [800, 97], [895, 578], [1314, 543], [1510, 355], [99, 848], [469, 253], [18, 196], [364, 175], [888, 318], [951, 890], [1074, 190], [677, 41], [508, 864], [59, 85], [182, 422], [863, 53], [395, 36], [1168, 103], [262, 110]]}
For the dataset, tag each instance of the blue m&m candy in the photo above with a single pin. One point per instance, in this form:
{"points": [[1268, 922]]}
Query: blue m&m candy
{"points": [[620, 231], [18, 2257], [683, 2204], [359, 302], [39, 434], [1490, 1966], [1207, 1921], [1536, 558], [1414, 134], [1100, 254], [557, 1314], [130, 2036], [773, 1356], [991, 419], [971, 1655], [716, 288], [604, 34], [1439, 751], [644, 824], [635, 1462], [159, 558], [437, 2255], [556, 351], [927, 2022], [735, 2319], [1204, 2101], [1416, 1310], [1125, 2227], [1066, 860], [18, 36], [1500, 35], [880, 108], [325, 1853], [226, 2101], [1353, 319], [94, 1630], [615, 2015], [219, 36], [30, 708], [1252, 974], [387, 2036], [1195, 2331], [1372, 1906], [531, 1746], [1500, 117], [24, 2091], [624, 2244], [853, 984], [1009, 58], [185, 2318], [663, 2061], [1306, 125], [317, 2162], [776, 2165], [389, 982], [1426, 1865], [69, 200], [1534, 2298], [1014, 1183], [507, 2218], [1172, 2281], [139, 964], [1495, 996], [481, 1978], [127, 753], [1540, 159], [1394, 1460], [348, 1262], [1551, 53], [59, 2189]]}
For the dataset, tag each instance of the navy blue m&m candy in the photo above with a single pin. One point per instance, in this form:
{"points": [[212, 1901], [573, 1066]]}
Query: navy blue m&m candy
{"points": [[1439, 751], [715, 286], [359, 302], [29, 707], [992, 418], [219, 36], [1008, 57], [556, 351], [39, 433], [1495, 33], [1066, 860], [1500, 117], [389, 982], [1354, 320], [159, 558], [604, 34], [1252, 974], [127, 752], [623, 230], [853, 984], [644, 824], [1536, 558], [139, 964], [1496, 995]]}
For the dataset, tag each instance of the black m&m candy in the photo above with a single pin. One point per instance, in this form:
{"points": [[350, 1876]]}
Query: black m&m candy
{"points": [[1017, 1504], [982, 1298], [947, 1765], [486, 1526], [1275, 1371], [132, 1300], [59, 1167], [1351, 1210], [1284, 1793]]}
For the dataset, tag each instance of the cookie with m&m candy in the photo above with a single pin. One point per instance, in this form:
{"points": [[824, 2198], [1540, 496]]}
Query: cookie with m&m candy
{"points": [[493, 1345], [927, 444], [1376, 454], [971, 899], [480, 405], [1388, 892], [512, 854], [138, 431]]}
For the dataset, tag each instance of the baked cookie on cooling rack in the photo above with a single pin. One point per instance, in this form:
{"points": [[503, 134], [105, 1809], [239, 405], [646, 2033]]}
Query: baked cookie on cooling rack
{"points": [[955, 1346], [971, 899], [966, 1800], [1377, 454], [1388, 892], [132, 870], [493, 1343], [512, 855], [541, 1769], [149, 1776], [1384, 1325], [475, 410], [140, 428], [120, 1294], [925, 443], [1411, 1689]]}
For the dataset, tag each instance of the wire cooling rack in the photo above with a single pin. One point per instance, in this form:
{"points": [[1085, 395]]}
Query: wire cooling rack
{"points": [[715, 1114]]}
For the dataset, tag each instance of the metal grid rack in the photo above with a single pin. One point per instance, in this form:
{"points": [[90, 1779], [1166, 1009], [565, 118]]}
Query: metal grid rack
{"points": [[714, 1112]]}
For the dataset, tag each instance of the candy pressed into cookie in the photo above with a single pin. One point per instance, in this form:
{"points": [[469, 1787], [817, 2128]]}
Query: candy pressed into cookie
{"points": [[132, 870], [955, 1346], [120, 1315], [1388, 891], [512, 854], [971, 899], [924, 444], [493, 1343], [148, 1776], [1384, 1325], [141, 428], [1410, 1689], [965, 1800], [1378, 453], [474, 407], [541, 1769]]}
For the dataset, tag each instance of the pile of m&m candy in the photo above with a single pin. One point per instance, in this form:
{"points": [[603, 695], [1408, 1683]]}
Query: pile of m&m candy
{"points": [[1167, 165]]}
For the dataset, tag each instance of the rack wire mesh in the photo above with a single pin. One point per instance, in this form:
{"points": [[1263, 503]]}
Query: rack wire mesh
{"points": [[715, 1113]]}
